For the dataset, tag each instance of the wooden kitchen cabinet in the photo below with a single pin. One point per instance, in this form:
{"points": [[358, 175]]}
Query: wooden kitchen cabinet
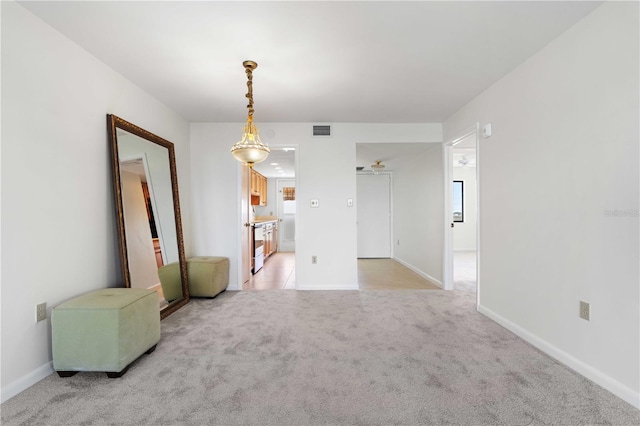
{"points": [[258, 189], [255, 187], [263, 190], [270, 239]]}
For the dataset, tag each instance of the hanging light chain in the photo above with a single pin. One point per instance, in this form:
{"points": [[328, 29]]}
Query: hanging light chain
{"points": [[249, 67]]}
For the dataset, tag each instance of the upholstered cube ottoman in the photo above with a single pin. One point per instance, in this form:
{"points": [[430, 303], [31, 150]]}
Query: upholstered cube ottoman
{"points": [[208, 275], [170, 281], [104, 330]]}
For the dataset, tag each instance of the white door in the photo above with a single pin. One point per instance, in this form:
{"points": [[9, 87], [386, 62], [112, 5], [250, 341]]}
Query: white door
{"points": [[286, 216], [374, 215]]}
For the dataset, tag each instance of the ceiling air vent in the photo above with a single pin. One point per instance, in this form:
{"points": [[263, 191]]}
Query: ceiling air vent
{"points": [[322, 130]]}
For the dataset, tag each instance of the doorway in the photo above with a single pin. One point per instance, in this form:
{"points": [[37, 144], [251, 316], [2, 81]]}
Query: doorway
{"points": [[461, 252], [276, 213], [465, 214]]}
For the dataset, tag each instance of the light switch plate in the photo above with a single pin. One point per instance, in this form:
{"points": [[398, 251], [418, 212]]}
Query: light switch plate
{"points": [[486, 130]]}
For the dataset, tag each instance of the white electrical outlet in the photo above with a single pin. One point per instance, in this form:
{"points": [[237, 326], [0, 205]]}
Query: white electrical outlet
{"points": [[314, 260], [41, 312], [585, 310]]}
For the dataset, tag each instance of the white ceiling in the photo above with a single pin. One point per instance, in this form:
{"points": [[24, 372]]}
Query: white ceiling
{"points": [[279, 164], [464, 152], [366, 155], [464, 157], [384, 62], [387, 153], [322, 62]]}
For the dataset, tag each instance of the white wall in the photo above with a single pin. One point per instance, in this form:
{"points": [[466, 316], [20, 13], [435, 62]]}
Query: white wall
{"points": [[464, 233], [374, 215], [58, 219], [418, 216], [569, 118], [215, 181], [326, 171]]}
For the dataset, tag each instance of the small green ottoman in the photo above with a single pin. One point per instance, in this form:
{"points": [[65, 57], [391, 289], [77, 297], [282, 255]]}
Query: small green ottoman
{"points": [[208, 275], [170, 281], [105, 330]]}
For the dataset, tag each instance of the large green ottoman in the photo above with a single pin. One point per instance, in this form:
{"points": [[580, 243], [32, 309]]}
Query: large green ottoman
{"points": [[208, 275], [104, 330]]}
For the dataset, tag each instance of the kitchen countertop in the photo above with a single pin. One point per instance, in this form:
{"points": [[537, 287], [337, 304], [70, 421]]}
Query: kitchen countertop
{"points": [[260, 220]]}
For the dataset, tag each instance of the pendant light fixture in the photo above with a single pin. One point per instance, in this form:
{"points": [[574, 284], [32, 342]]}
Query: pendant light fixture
{"points": [[250, 148], [377, 168]]}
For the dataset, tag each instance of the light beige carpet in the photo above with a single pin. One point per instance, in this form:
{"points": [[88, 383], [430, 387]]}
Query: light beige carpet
{"points": [[464, 271], [328, 358]]}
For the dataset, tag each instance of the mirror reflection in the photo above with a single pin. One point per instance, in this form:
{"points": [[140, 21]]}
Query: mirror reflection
{"points": [[151, 238]]}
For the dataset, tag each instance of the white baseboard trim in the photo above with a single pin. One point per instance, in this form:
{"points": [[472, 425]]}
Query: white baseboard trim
{"points": [[12, 389], [615, 387], [326, 287], [419, 272]]}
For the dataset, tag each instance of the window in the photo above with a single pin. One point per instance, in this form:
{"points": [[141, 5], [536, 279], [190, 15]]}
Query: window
{"points": [[458, 201], [289, 193]]}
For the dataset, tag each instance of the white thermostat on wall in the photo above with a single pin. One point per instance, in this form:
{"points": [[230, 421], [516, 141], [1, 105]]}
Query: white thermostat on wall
{"points": [[486, 130]]}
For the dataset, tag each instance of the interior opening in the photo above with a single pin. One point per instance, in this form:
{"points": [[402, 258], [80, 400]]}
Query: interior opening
{"points": [[465, 214], [273, 222]]}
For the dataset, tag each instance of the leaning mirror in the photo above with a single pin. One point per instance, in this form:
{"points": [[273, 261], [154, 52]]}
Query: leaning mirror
{"points": [[148, 213]]}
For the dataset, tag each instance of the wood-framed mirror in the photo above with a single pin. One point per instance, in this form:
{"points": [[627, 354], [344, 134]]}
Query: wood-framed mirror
{"points": [[148, 213]]}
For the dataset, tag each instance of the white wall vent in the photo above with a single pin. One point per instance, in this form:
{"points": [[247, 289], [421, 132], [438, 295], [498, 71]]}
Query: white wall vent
{"points": [[321, 130]]}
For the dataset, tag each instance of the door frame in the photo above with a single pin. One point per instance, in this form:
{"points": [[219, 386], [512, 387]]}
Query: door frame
{"points": [[245, 232], [447, 256], [239, 224]]}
